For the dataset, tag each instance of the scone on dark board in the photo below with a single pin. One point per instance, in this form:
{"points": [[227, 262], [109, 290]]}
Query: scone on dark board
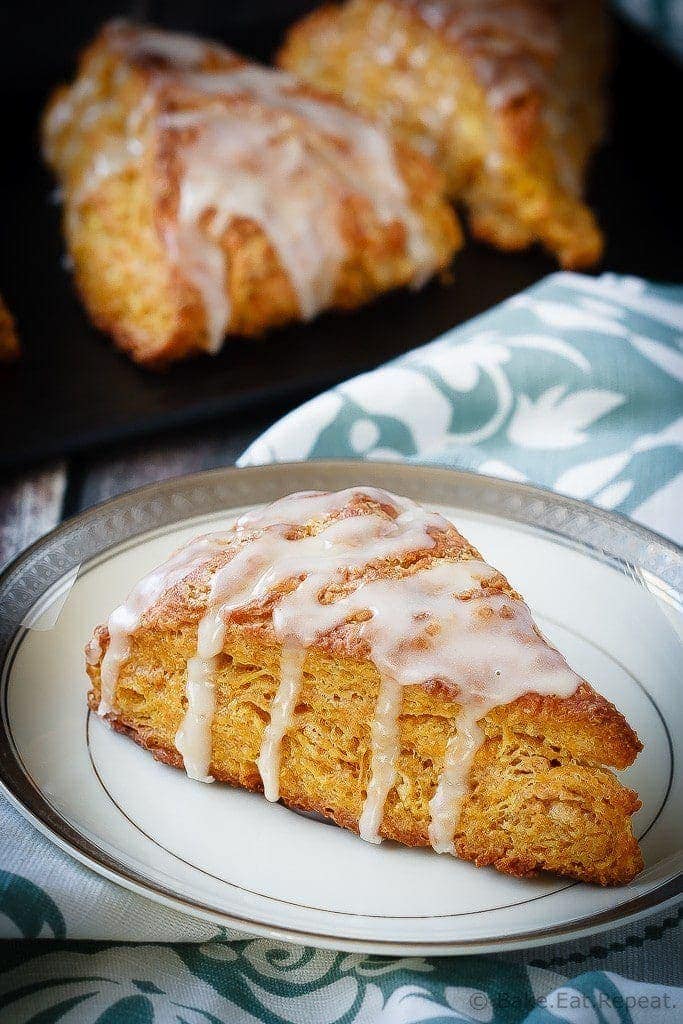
{"points": [[206, 196], [504, 95], [352, 654]]}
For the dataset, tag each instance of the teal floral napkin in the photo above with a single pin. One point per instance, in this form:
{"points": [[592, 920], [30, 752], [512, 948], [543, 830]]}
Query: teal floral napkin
{"points": [[576, 385], [251, 980]]}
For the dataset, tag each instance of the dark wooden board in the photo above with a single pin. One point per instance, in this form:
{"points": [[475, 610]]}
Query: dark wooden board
{"points": [[72, 391]]}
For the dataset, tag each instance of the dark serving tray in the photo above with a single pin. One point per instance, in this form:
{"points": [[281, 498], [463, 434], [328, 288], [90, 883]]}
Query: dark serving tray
{"points": [[72, 390]]}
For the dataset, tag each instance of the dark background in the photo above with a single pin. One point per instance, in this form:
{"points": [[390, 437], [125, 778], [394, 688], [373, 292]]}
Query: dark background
{"points": [[71, 390]]}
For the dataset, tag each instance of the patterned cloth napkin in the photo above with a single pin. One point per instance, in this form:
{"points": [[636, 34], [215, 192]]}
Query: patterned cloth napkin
{"points": [[576, 385]]}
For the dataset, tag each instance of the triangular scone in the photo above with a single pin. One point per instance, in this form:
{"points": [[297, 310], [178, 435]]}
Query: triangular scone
{"points": [[504, 95], [207, 196], [353, 655]]}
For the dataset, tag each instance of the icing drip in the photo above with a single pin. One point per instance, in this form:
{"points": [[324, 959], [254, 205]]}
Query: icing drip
{"points": [[268, 761], [281, 159], [385, 750], [444, 807], [93, 651], [193, 739], [241, 162], [441, 623]]}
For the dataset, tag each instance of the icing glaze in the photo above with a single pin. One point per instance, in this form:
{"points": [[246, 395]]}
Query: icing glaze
{"points": [[193, 739], [268, 761], [318, 559], [93, 651], [282, 159]]}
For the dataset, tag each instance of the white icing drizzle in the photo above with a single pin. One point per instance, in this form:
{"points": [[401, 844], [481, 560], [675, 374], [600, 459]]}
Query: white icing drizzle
{"points": [[268, 761], [385, 750], [193, 739], [358, 152], [444, 807], [283, 160], [242, 162], [93, 651], [438, 625], [248, 142]]}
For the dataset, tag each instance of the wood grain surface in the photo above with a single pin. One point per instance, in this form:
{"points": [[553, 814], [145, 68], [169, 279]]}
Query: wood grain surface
{"points": [[30, 505], [33, 502]]}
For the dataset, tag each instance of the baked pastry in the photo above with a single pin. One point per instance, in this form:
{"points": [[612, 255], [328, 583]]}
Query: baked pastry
{"points": [[9, 342], [505, 95], [351, 654], [206, 196]]}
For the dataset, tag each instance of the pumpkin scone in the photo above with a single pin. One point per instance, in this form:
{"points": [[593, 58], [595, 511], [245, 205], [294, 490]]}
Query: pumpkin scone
{"points": [[504, 95], [207, 196], [353, 655]]}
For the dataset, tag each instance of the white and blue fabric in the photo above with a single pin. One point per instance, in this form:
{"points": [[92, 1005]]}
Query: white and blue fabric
{"points": [[574, 384]]}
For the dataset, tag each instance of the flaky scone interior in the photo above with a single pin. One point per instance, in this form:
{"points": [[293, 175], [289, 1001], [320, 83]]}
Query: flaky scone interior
{"points": [[504, 95], [207, 196], [352, 654]]}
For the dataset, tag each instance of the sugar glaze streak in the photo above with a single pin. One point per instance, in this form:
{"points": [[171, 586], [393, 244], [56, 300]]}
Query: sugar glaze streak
{"points": [[193, 739], [281, 711], [438, 624]]}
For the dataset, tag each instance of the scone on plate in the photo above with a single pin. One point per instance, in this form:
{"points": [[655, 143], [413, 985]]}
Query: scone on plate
{"points": [[505, 95], [9, 342], [207, 196], [353, 655]]}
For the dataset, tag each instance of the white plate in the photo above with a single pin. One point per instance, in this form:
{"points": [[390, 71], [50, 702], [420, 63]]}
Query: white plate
{"points": [[605, 591]]}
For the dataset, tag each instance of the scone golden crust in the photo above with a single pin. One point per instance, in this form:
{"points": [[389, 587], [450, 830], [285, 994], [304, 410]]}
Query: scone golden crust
{"points": [[505, 95], [532, 791], [9, 342], [206, 196]]}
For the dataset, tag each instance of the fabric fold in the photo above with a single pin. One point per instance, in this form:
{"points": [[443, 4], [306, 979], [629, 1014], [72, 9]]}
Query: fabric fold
{"points": [[575, 384]]}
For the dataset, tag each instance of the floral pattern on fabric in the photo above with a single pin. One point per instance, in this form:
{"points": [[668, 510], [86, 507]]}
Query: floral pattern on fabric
{"points": [[246, 981], [576, 384]]}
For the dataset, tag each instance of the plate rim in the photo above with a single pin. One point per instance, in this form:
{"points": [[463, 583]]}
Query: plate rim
{"points": [[661, 558]]}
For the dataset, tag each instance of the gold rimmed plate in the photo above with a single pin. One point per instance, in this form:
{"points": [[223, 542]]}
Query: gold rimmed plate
{"points": [[607, 592]]}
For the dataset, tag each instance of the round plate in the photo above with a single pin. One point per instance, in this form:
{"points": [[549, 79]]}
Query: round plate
{"points": [[605, 591]]}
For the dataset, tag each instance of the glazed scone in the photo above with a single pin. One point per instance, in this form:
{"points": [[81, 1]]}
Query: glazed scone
{"points": [[9, 342], [505, 95], [206, 196], [352, 654]]}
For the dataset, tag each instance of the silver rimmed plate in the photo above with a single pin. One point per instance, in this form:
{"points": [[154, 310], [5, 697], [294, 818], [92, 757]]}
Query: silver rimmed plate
{"points": [[607, 592]]}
